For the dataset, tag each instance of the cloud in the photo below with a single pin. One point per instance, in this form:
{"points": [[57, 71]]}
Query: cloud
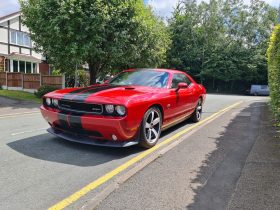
{"points": [[8, 6], [164, 8]]}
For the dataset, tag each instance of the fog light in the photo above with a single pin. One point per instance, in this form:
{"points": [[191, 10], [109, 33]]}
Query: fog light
{"points": [[114, 137], [48, 101], [109, 108], [55, 102]]}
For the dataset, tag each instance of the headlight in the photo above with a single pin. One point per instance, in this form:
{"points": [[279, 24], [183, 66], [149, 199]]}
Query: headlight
{"points": [[55, 102], [48, 101], [120, 110], [109, 109]]}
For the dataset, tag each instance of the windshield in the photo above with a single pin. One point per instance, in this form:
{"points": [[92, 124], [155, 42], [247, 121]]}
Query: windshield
{"points": [[150, 78]]}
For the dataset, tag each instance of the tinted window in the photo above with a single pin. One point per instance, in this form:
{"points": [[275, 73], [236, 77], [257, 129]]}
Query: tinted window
{"points": [[149, 78], [177, 78]]}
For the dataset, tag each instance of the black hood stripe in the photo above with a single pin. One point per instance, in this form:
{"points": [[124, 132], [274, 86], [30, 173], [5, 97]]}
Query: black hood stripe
{"points": [[82, 94], [79, 95]]}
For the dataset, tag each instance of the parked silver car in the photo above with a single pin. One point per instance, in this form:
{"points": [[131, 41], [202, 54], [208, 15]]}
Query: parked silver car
{"points": [[259, 90]]}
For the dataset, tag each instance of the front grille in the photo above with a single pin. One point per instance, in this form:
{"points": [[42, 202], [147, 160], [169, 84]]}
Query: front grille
{"points": [[79, 107], [78, 131]]}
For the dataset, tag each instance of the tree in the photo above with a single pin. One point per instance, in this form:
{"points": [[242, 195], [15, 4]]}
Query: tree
{"points": [[106, 35], [223, 41]]}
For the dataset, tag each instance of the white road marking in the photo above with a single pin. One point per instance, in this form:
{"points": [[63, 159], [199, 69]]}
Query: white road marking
{"points": [[31, 131], [18, 114]]}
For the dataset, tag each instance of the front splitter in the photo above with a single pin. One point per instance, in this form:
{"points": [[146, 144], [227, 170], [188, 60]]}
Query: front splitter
{"points": [[87, 140]]}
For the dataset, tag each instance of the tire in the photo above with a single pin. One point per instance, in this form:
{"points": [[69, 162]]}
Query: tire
{"points": [[196, 116], [150, 129]]}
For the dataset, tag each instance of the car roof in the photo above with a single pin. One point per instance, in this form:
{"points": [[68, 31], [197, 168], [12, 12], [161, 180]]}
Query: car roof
{"points": [[157, 69]]}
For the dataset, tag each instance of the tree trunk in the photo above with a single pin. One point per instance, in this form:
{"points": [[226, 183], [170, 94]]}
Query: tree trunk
{"points": [[93, 69]]}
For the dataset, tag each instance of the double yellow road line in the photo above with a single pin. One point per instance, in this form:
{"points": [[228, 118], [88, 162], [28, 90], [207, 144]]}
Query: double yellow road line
{"points": [[93, 185]]}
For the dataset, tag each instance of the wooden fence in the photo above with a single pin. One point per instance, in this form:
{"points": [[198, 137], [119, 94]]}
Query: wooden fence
{"points": [[29, 82]]}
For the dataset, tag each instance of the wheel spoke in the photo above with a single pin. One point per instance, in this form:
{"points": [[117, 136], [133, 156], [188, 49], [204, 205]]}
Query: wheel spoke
{"points": [[148, 125], [152, 117], [156, 121], [199, 108], [155, 132], [198, 114], [150, 134]]}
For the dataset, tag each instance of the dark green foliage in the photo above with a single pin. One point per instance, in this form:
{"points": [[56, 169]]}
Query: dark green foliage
{"points": [[44, 90], [222, 43], [106, 35], [273, 54]]}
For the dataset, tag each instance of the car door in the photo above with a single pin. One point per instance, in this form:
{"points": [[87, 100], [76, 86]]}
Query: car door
{"points": [[184, 97]]}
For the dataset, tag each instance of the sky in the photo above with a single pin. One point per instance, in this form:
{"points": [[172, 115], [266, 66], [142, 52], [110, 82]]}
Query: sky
{"points": [[161, 7], [164, 8]]}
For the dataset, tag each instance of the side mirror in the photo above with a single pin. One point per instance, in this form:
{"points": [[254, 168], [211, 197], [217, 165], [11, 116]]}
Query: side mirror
{"points": [[182, 85]]}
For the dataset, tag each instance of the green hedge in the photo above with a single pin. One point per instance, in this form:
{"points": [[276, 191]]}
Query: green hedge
{"points": [[44, 90], [273, 54]]}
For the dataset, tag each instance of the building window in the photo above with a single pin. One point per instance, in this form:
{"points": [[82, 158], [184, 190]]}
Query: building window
{"points": [[28, 68], [13, 37], [34, 67], [23, 66], [15, 66], [20, 38], [26, 40]]}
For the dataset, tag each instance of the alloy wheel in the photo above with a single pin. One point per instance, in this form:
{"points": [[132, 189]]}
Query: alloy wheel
{"points": [[152, 126]]}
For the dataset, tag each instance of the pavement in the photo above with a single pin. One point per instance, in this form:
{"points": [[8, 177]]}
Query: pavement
{"points": [[38, 170], [235, 165]]}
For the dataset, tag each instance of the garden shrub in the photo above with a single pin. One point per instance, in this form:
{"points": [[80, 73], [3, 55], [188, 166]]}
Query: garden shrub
{"points": [[44, 90], [273, 54]]}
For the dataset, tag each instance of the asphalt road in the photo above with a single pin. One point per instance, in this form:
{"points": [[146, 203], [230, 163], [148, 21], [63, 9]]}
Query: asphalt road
{"points": [[38, 170]]}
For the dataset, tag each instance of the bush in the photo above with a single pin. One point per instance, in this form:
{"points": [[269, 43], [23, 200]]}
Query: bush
{"points": [[273, 54], [44, 90]]}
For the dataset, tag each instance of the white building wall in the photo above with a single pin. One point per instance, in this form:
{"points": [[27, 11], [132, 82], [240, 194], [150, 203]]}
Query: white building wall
{"points": [[37, 55], [25, 51], [24, 28], [5, 24], [14, 23], [14, 49], [4, 35], [3, 49]]}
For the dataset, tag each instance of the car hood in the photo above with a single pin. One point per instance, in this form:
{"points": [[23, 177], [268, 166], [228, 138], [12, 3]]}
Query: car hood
{"points": [[106, 93]]}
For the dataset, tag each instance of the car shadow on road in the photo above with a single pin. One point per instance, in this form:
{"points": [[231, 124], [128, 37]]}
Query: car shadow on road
{"points": [[216, 179], [49, 148]]}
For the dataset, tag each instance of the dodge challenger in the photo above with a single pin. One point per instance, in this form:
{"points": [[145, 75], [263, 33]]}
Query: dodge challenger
{"points": [[132, 108]]}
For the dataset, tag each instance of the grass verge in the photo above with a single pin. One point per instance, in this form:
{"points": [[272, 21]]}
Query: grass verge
{"points": [[21, 95]]}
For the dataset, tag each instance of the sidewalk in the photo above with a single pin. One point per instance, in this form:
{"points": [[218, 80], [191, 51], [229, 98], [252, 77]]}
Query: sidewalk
{"points": [[259, 184], [231, 163]]}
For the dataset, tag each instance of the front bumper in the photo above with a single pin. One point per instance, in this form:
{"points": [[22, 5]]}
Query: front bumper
{"points": [[87, 140], [90, 127]]}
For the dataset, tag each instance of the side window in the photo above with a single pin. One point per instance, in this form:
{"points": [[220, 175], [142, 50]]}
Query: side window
{"points": [[177, 78]]}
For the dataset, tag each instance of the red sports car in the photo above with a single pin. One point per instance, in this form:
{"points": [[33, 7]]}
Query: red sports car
{"points": [[132, 108]]}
